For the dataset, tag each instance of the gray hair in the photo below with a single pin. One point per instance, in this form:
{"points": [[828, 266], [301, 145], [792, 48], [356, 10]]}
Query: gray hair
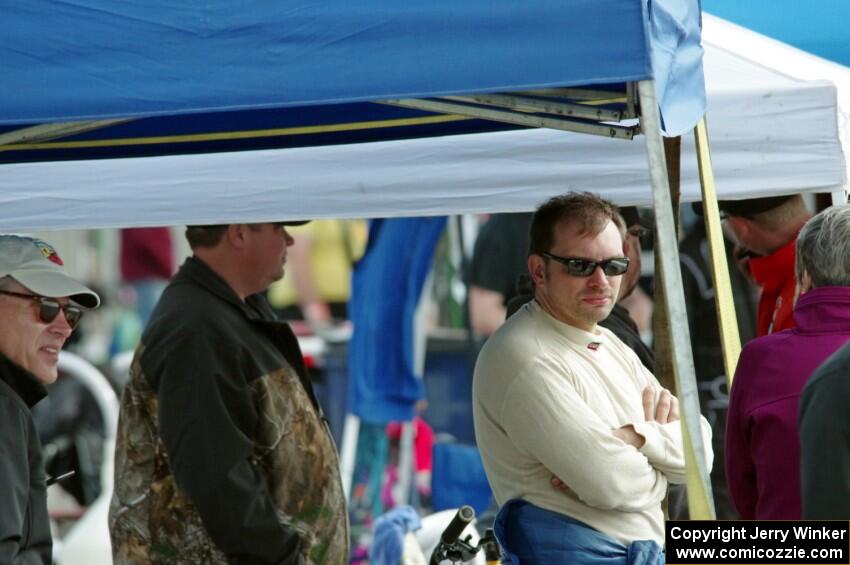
{"points": [[823, 247]]}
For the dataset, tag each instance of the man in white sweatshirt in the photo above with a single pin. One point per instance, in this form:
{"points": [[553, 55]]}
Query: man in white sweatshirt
{"points": [[573, 430]]}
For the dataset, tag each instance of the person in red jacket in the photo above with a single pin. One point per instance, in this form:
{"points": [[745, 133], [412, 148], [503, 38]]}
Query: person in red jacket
{"points": [[765, 229]]}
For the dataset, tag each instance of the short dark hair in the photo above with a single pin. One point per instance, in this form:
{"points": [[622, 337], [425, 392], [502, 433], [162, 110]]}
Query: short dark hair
{"points": [[756, 209], [752, 208], [591, 210], [205, 236], [209, 236]]}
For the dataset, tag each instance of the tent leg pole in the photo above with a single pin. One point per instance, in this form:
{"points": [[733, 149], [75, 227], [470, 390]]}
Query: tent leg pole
{"points": [[730, 339], [700, 501], [660, 325], [838, 197], [405, 464], [348, 452]]}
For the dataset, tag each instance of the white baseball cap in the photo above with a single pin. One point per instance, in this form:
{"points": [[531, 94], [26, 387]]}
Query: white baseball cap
{"points": [[36, 265]]}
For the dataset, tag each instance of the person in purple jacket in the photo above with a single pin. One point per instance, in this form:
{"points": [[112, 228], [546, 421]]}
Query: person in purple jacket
{"points": [[762, 438]]}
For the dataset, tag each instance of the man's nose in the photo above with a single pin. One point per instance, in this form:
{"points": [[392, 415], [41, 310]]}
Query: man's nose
{"points": [[598, 278], [61, 326]]}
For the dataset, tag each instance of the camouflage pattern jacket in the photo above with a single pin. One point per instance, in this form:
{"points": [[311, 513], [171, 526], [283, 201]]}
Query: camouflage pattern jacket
{"points": [[222, 454]]}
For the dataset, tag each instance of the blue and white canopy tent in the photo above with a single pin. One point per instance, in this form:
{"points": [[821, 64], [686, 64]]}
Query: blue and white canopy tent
{"points": [[770, 134], [333, 152], [612, 67], [100, 61]]}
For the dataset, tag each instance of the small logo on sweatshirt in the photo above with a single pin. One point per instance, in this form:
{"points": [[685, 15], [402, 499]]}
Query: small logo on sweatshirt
{"points": [[593, 345]]}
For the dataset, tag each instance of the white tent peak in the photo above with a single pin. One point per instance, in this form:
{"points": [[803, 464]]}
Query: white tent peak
{"points": [[784, 58]]}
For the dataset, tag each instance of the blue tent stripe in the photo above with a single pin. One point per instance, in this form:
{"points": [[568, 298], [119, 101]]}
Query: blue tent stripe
{"points": [[93, 59]]}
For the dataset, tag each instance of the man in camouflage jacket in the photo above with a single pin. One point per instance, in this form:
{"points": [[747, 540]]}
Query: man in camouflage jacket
{"points": [[223, 455]]}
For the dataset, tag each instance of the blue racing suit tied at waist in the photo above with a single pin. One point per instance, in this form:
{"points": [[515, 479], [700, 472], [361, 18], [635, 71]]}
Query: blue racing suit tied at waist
{"points": [[530, 535]]}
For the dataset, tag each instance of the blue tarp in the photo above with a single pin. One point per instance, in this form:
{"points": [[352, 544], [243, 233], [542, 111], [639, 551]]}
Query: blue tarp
{"points": [[821, 27], [90, 59], [383, 380]]}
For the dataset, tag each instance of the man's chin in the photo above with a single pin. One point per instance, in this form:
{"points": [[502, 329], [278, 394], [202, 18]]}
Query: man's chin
{"points": [[47, 375], [274, 279], [598, 313]]}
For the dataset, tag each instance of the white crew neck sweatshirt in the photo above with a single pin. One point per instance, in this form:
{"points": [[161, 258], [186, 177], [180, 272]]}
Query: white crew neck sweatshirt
{"points": [[546, 398]]}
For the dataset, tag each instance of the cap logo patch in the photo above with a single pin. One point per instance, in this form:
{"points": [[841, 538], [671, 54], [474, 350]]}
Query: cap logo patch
{"points": [[48, 252]]}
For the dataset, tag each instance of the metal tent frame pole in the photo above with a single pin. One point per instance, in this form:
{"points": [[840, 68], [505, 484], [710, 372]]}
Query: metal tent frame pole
{"points": [[700, 500]]}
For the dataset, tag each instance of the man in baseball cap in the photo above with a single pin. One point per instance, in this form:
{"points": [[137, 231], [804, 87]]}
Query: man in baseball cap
{"points": [[219, 423], [766, 229], [40, 305]]}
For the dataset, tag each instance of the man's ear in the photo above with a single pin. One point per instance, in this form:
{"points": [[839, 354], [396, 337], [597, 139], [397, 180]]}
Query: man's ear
{"points": [[741, 227], [536, 269], [235, 235]]}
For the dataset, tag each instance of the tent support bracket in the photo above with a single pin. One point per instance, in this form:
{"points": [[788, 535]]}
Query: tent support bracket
{"points": [[46, 132], [517, 118], [527, 104]]}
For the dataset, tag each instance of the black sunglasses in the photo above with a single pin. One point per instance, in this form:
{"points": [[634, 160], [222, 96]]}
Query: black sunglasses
{"points": [[49, 308], [578, 267]]}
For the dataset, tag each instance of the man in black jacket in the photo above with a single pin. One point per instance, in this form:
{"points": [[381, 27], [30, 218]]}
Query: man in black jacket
{"points": [[223, 455], [620, 320], [39, 308]]}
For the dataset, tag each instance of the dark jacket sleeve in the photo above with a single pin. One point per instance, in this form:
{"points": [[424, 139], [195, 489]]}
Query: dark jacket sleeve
{"points": [[825, 441], [14, 489], [206, 416]]}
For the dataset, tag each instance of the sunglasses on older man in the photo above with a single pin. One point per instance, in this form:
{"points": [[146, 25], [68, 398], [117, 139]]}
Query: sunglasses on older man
{"points": [[49, 308], [579, 267]]}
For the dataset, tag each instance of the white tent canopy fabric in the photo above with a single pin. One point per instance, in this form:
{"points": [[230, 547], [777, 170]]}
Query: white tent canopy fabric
{"points": [[771, 133], [786, 59]]}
